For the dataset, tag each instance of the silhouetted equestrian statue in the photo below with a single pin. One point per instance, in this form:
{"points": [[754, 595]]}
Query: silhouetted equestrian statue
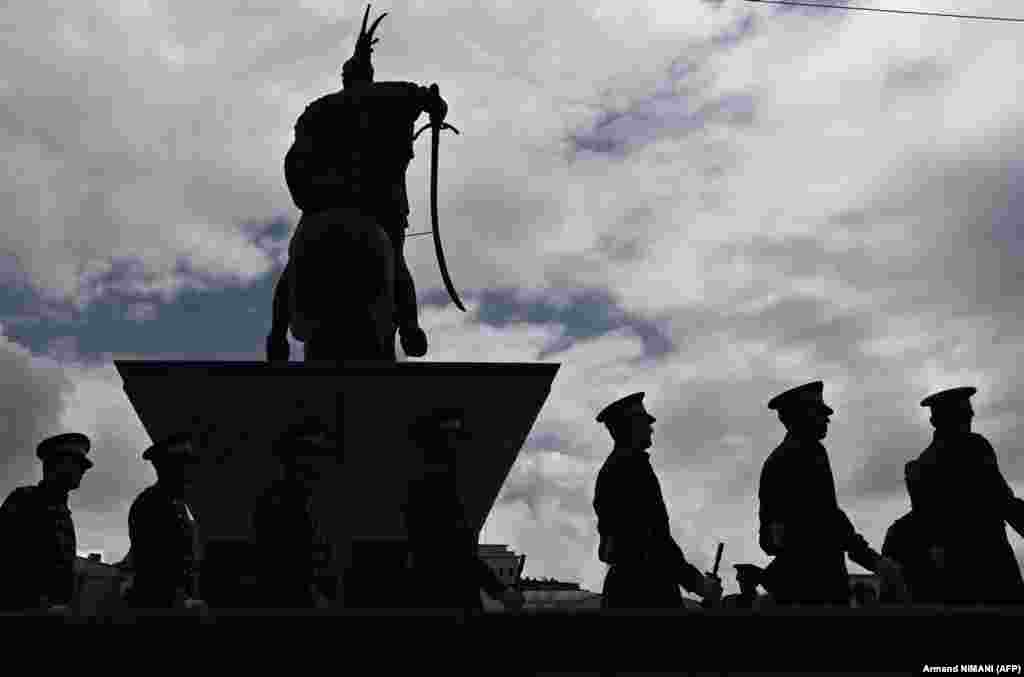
{"points": [[646, 565], [346, 289], [802, 525], [906, 543], [37, 570], [965, 506]]}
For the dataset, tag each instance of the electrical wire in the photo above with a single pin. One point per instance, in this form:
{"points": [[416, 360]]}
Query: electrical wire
{"points": [[891, 11]]}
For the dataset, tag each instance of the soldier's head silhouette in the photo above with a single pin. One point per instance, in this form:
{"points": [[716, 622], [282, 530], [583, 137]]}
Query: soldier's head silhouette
{"points": [[951, 409], [629, 422], [359, 68], [174, 459], [302, 448], [65, 459], [803, 410], [440, 434]]}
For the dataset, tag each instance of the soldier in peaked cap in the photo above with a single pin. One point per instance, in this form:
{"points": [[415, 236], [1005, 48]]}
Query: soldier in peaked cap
{"points": [[905, 543], [37, 522], [164, 533], [965, 505], [296, 559], [801, 523], [445, 569], [646, 565]]}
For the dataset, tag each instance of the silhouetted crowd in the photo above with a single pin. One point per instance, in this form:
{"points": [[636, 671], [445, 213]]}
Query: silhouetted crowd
{"points": [[950, 549], [296, 561]]}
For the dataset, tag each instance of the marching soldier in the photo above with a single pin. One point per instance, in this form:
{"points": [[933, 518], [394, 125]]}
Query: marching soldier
{"points": [[36, 525], [647, 566], [164, 534], [295, 558], [965, 505], [346, 172], [905, 543], [802, 525], [446, 570]]}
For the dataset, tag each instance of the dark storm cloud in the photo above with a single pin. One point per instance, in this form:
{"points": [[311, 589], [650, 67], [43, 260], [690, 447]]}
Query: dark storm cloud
{"points": [[680, 107], [586, 314], [196, 326], [659, 117]]}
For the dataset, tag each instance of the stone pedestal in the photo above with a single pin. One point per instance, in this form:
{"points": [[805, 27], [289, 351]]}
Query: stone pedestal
{"points": [[236, 410]]}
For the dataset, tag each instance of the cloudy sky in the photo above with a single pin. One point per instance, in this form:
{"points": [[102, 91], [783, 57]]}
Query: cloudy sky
{"points": [[707, 201]]}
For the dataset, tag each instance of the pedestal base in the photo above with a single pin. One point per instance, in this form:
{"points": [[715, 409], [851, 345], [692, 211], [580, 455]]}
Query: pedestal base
{"points": [[237, 409]]}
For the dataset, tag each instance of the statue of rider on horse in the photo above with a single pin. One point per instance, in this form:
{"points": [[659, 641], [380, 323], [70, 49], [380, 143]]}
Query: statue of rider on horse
{"points": [[346, 289]]}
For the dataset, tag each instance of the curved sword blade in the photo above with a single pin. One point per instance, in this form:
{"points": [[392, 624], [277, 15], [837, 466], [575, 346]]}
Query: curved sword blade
{"points": [[435, 144]]}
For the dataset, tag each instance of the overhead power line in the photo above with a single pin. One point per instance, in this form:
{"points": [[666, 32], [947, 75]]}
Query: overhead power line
{"points": [[890, 11]]}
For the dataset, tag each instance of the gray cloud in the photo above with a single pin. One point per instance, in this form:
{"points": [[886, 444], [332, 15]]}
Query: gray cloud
{"points": [[34, 401]]}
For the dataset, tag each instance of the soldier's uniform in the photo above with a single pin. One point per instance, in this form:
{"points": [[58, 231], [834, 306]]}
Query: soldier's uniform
{"points": [[295, 557], [37, 530], [446, 570], [647, 566], [905, 543], [165, 545], [965, 506], [797, 490]]}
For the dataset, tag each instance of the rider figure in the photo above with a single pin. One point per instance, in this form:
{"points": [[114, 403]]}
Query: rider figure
{"points": [[346, 170]]}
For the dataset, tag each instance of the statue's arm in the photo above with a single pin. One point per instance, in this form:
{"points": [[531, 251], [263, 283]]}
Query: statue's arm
{"points": [[431, 102], [299, 167], [277, 340]]}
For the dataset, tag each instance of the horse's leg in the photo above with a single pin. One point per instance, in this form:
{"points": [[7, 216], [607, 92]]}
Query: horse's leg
{"points": [[382, 308], [361, 324]]}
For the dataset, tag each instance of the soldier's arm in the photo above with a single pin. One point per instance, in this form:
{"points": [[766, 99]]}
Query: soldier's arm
{"points": [[893, 548], [773, 497], [1012, 507], [856, 546], [17, 532], [149, 531], [687, 575], [621, 522], [665, 544]]}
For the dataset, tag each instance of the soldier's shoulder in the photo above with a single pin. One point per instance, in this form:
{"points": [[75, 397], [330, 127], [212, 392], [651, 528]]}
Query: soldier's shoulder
{"points": [[148, 496], [782, 451], [978, 440], [21, 496], [617, 461], [902, 522]]}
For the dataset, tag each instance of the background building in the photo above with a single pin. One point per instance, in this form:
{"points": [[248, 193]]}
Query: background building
{"points": [[506, 564]]}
